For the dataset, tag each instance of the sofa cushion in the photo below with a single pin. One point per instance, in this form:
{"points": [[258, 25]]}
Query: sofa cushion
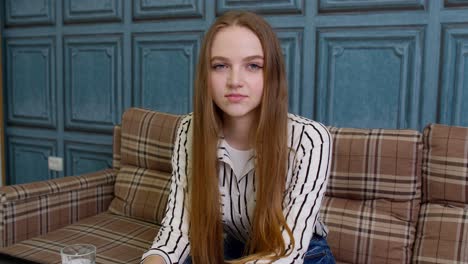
{"points": [[148, 139], [118, 239], [443, 221], [142, 183], [375, 164], [445, 164], [142, 193], [373, 195], [442, 234], [369, 231]]}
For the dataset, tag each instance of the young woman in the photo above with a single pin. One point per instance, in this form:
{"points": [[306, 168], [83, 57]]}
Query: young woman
{"points": [[248, 178]]}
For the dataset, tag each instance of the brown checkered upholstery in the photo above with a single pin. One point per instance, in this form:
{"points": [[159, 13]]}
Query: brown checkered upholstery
{"points": [[372, 201], [371, 207], [443, 219], [118, 240], [33, 209], [138, 185], [116, 148], [142, 185]]}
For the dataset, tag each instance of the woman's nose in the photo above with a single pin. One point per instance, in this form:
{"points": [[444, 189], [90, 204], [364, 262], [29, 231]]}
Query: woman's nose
{"points": [[235, 78]]}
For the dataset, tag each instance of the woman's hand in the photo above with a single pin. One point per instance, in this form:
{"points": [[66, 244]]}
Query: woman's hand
{"points": [[154, 260]]}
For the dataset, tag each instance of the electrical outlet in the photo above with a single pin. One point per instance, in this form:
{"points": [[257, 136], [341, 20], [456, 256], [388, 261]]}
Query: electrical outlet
{"points": [[55, 163]]}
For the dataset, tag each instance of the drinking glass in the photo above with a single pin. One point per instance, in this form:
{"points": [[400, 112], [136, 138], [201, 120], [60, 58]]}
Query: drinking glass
{"points": [[78, 254]]}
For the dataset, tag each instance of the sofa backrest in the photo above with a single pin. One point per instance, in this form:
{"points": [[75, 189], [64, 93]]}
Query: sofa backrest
{"points": [[142, 184], [443, 220], [372, 204], [373, 196], [116, 148]]}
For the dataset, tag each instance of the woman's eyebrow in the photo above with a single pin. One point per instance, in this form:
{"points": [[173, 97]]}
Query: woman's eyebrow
{"points": [[248, 58], [253, 57], [219, 58]]}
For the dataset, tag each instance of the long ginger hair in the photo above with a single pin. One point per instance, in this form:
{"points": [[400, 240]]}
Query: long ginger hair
{"points": [[270, 145]]}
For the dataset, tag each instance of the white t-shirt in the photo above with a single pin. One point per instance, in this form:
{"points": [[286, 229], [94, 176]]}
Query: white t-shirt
{"points": [[239, 159]]}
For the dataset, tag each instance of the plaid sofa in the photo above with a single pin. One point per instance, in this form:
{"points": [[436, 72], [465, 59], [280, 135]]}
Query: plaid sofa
{"points": [[394, 196], [118, 210]]}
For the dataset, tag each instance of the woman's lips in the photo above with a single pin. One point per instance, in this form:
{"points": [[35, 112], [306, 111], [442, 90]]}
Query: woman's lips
{"points": [[235, 98]]}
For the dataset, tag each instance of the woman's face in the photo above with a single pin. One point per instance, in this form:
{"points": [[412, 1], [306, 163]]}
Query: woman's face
{"points": [[237, 72]]}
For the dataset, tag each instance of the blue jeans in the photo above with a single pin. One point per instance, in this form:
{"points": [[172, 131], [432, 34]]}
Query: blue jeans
{"points": [[318, 251]]}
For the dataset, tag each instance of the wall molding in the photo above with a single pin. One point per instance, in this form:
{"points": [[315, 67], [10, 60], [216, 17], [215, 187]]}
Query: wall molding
{"points": [[151, 9], [92, 11], [343, 50], [32, 101], [154, 81], [89, 107], [262, 7], [29, 12]]}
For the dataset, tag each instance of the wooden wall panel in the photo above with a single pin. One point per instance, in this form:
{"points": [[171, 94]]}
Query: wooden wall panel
{"points": [[92, 10], [28, 159], [73, 66], [454, 86], [263, 7], [29, 12], [369, 5], [291, 44], [92, 93], [31, 82], [369, 78], [164, 71], [154, 9], [85, 157], [456, 3]]}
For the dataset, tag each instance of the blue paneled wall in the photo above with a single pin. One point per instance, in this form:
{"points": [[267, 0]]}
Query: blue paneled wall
{"points": [[72, 67], [369, 77]]}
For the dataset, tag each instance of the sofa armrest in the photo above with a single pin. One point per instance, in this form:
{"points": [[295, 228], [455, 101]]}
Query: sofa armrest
{"points": [[33, 209]]}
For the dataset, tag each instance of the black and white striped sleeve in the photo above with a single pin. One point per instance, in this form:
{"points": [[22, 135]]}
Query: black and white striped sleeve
{"points": [[307, 182], [172, 241]]}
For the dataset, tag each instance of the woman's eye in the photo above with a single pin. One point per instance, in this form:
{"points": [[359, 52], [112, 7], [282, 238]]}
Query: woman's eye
{"points": [[218, 66], [254, 67]]}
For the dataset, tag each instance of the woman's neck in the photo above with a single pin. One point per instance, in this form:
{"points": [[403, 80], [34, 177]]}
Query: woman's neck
{"points": [[237, 131]]}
